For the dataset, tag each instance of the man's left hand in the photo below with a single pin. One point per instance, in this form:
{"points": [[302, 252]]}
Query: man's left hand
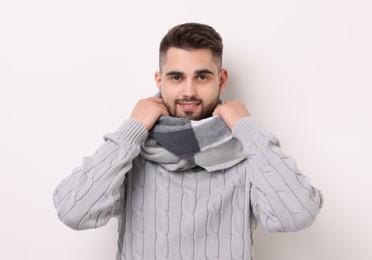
{"points": [[231, 112]]}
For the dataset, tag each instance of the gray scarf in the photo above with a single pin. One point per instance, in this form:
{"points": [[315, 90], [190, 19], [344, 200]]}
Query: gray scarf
{"points": [[180, 144]]}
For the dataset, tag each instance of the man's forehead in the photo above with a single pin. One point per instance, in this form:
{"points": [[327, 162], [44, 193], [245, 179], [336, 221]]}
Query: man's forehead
{"points": [[195, 55], [189, 63]]}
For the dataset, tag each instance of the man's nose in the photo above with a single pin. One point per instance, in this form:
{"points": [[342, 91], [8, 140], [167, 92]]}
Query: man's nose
{"points": [[190, 88]]}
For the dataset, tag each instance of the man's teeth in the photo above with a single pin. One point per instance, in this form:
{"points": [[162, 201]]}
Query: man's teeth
{"points": [[188, 104]]}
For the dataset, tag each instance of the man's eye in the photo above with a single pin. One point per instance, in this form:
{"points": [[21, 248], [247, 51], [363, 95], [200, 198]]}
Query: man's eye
{"points": [[202, 77], [175, 78]]}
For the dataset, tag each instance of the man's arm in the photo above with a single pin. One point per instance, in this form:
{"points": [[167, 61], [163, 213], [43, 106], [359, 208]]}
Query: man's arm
{"points": [[281, 197], [93, 193]]}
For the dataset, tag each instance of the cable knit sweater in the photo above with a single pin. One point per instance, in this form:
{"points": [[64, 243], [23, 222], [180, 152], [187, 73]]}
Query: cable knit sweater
{"points": [[188, 214]]}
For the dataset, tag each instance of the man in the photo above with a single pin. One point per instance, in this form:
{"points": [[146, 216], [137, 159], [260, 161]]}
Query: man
{"points": [[188, 175]]}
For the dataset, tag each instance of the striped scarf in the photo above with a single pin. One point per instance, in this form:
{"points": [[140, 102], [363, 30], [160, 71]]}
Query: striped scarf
{"points": [[180, 144]]}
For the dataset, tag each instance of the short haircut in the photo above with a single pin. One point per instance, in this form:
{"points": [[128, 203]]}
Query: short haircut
{"points": [[191, 36]]}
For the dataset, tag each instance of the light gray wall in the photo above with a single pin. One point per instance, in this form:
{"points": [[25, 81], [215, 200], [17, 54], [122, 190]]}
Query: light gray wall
{"points": [[71, 71]]}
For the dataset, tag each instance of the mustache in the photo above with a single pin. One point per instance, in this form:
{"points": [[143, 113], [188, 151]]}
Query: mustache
{"points": [[189, 100]]}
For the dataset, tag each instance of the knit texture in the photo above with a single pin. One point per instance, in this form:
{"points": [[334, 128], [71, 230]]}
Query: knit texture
{"points": [[188, 214], [207, 143]]}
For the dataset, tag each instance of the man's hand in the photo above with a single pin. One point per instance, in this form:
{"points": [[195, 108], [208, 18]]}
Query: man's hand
{"points": [[231, 112], [148, 110]]}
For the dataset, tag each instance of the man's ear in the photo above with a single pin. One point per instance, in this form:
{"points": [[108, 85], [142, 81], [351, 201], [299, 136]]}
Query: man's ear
{"points": [[158, 79], [223, 76]]}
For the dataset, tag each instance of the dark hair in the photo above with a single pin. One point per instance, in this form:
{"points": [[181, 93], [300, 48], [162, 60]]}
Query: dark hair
{"points": [[189, 36]]}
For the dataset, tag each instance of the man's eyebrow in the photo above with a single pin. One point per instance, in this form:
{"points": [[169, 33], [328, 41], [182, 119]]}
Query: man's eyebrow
{"points": [[197, 72], [204, 71], [174, 73]]}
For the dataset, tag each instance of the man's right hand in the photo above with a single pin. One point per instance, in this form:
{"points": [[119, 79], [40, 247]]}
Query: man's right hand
{"points": [[148, 110]]}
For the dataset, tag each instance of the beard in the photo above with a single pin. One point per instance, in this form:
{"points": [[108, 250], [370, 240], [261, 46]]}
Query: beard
{"points": [[205, 112]]}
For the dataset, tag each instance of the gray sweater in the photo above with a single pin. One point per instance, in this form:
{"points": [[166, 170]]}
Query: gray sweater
{"points": [[189, 214]]}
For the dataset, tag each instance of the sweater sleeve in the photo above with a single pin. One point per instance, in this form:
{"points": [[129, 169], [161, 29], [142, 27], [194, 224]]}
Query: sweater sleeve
{"points": [[281, 197], [93, 193]]}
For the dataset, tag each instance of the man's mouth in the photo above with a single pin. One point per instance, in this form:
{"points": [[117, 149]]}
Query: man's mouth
{"points": [[189, 105]]}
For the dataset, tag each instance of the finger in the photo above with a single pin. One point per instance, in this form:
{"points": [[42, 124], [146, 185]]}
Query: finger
{"points": [[165, 110], [157, 100], [216, 110]]}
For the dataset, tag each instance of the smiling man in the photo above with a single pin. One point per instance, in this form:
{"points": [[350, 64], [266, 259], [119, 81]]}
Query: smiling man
{"points": [[190, 82], [187, 175]]}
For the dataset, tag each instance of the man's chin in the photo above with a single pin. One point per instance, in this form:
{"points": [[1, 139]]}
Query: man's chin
{"points": [[192, 115]]}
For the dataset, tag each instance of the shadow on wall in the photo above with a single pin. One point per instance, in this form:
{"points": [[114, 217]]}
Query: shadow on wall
{"points": [[243, 76], [304, 245]]}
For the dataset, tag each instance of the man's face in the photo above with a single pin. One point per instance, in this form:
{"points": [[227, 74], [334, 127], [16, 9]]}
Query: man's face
{"points": [[190, 83]]}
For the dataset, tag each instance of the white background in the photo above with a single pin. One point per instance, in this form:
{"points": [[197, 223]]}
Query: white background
{"points": [[71, 71]]}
